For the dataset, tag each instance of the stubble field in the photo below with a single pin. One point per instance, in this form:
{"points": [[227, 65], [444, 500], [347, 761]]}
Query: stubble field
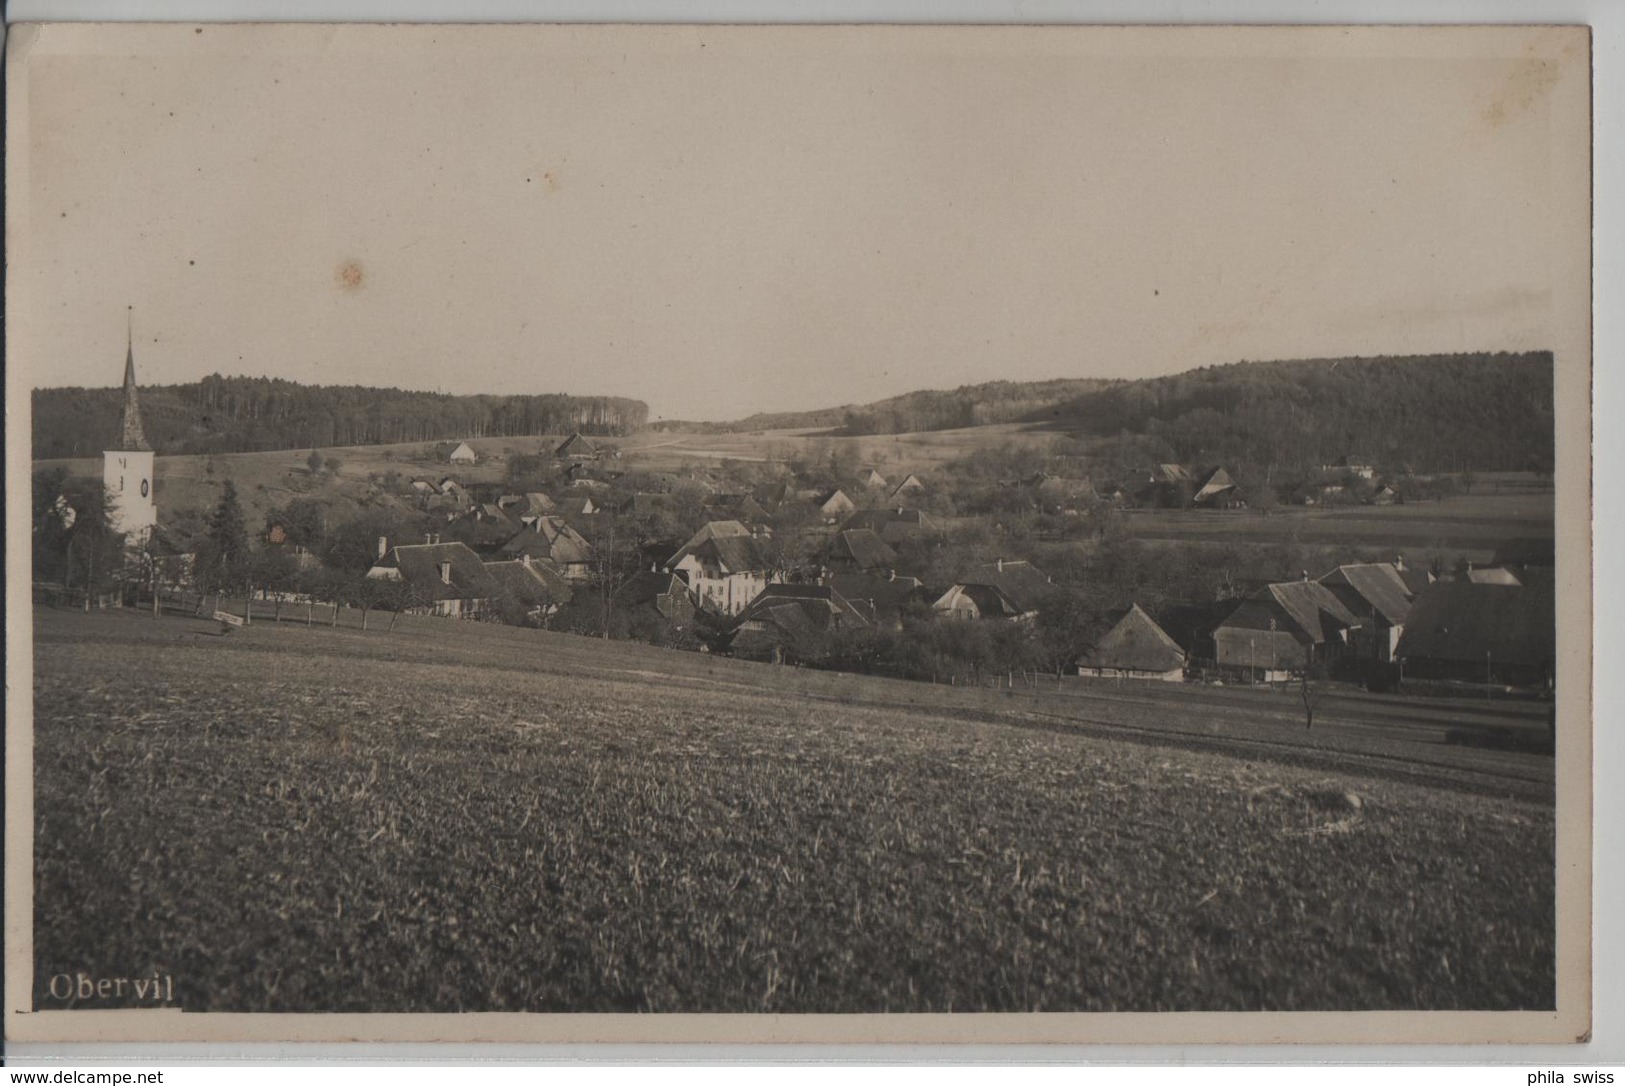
{"points": [[293, 819]]}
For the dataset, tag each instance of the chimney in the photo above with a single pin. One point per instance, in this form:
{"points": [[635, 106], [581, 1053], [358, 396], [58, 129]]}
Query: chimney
{"points": [[999, 563], [654, 567], [1399, 562], [524, 560], [383, 547], [445, 572], [1305, 573], [427, 538]]}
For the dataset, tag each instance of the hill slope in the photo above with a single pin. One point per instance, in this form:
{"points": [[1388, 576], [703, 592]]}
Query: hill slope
{"points": [[248, 414], [1488, 411]]}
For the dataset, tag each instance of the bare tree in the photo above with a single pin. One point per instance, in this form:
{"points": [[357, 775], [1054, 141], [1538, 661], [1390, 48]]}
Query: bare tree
{"points": [[1311, 686]]}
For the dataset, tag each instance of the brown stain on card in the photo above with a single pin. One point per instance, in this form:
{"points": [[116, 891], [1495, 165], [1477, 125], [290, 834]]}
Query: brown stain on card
{"points": [[350, 275], [1531, 79]]}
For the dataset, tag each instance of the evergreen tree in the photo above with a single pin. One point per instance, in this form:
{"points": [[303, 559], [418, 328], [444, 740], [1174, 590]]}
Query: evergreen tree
{"points": [[225, 562]]}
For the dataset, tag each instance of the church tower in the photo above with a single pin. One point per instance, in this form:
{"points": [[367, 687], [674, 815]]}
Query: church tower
{"points": [[127, 468]]}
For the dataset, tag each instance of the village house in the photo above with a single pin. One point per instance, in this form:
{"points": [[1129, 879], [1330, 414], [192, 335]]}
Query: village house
{"points": [[883, 597], [1375, 593], [770, 496], [741, 507], [551, 539], [578, 448], [726, 565], [1274, 631], [894, 525], [445, 579], [787, 623], [1359, 467], [833, 505], [859, 550], [462, 454], [1135, 648], [658, 591], [526, 508], [1007, 589], [869, 477]]}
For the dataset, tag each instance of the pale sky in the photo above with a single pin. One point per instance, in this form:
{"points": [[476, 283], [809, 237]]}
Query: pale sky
{"points": [[720, 221]]}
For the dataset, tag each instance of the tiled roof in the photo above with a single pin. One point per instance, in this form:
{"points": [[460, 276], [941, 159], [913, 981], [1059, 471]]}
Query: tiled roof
{"points": [[1371, 585]]}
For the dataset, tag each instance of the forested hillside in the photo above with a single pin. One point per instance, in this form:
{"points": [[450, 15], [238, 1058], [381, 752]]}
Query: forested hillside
{"points": [[247, 414], [950, 409], [1488, 412]]}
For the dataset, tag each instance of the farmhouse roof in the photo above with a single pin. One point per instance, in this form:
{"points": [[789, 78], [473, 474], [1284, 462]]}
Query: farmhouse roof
{"points": [[533, 584], [1016, 579], [1135, 643], [1217, 482], [550, 538], [1493, 575], [420, 566], [462, 452], [1370, 586], [1463, 621], [821, 606], [862, 548], [893, 525], [885, 596]]}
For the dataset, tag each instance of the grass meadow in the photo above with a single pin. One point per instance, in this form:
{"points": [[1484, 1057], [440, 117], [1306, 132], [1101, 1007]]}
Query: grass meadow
{"points": [[463, 817]]}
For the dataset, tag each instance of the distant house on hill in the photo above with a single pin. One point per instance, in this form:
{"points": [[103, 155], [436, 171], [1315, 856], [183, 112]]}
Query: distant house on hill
{"points": [[445, 578], [462, 454], [1274, 630], [576, 447], [908, 488], [869, 477], [727, 566], [424, 487], [551, 539], [1471, 632], [1376, 593], [1135, 648], [790, 622], [1007, 589], [532, 589], [859, 550]]}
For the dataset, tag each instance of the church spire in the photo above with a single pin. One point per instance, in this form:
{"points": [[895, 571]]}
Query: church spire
{"points": [[132, 438]]}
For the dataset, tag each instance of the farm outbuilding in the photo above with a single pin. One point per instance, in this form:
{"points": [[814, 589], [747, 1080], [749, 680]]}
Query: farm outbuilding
{"points": [[1470, 632], [1135, 648], [462, 454]]}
